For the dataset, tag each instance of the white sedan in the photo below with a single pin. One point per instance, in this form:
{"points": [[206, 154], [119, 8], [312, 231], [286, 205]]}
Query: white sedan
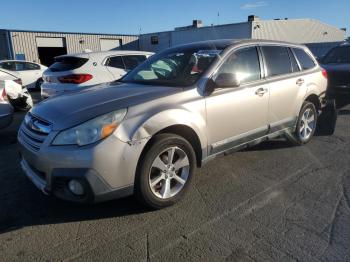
{"points": [[75, 71], [30, 73]]}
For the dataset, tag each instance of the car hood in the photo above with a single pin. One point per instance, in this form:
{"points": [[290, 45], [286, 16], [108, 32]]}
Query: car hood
{"points": [[71, 109], [338, 74]]}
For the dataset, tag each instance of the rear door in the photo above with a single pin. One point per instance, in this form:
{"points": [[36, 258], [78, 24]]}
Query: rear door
{"points": [[281, 71]]}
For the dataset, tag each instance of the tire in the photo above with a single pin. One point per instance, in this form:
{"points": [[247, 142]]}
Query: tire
{"points": [[304, 133], [154, 167], [327, 120], [38, 84]]}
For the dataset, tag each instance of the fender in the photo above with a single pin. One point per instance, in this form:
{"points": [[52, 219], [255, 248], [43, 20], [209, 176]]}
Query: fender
{"points": [[148, 127]]}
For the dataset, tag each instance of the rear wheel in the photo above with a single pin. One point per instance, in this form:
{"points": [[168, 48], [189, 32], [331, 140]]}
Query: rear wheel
{"points": [[165, 172], [306, 125]]}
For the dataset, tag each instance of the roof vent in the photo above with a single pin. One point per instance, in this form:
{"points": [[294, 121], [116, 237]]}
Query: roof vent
{"points": [[197, 23], [252, 18]]}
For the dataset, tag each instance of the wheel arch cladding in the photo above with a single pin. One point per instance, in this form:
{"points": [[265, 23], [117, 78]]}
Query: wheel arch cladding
{"points": [[315, 100], [181, 130]]}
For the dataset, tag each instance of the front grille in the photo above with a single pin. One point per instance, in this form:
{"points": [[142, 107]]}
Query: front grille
{"points": [[33, 136]]}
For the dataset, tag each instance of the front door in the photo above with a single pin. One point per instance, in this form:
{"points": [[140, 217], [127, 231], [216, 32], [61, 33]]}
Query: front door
{"points": [[239, 114]]}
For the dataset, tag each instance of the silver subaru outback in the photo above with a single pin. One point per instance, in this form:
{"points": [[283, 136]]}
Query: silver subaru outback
{"points": [[146, 134]]}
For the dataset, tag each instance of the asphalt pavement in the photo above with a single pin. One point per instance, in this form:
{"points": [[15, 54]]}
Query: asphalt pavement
{"points": [[273, 202]]}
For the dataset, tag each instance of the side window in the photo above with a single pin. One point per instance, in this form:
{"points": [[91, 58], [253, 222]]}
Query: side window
{"points": [[154, 40], [116, 62], [8, 66], [277, 60], [304, 59], [244, 63], [20, 66], [132, 61], [31, 66], [295, 66]]}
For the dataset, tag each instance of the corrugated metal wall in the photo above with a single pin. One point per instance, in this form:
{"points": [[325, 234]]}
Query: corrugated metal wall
{"points": [[4, 50], [163, 42], [25, 42], [177, 37], [297, 31], [231, 31]]}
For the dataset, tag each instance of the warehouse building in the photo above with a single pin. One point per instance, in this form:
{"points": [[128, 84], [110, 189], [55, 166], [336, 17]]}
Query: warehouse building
{"points": [[42, 47], [303, 31]]}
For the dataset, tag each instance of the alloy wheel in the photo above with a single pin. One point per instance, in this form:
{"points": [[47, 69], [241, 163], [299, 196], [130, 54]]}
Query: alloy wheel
{"points": [[169, 172], [307, 124]]}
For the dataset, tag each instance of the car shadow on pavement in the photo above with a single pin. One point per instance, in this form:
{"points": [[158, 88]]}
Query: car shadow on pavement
{"points": [[19, 210]]}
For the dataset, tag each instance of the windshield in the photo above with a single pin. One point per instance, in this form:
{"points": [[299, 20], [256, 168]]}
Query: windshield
{"points": [[177, 68], [338, 55]]}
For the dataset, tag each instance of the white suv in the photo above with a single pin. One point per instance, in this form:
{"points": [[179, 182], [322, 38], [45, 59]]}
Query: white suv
{"points": [[74, 71]]}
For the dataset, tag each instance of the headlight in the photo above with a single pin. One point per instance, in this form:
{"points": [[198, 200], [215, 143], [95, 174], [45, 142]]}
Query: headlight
{"points": [[92, 130]]}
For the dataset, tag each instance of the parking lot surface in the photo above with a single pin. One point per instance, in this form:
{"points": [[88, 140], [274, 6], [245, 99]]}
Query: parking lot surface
{"points": [[273, 202]]}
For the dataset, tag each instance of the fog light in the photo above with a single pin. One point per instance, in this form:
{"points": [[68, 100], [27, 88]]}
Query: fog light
{"points": [[76, 187]]}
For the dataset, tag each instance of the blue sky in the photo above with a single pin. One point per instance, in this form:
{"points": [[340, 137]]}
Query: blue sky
{"points": [[127, 17]]}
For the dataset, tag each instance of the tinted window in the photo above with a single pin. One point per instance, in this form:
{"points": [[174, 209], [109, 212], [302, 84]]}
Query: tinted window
{"points": [[20, 66], [277, 60], [8, 66], [132, 61], [338, 55], [304, 59], [116, 61], [244, 63], [67, 63], [31, 66]]}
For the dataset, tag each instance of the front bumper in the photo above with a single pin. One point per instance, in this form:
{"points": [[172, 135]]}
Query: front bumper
{"points": [[106, 169]]}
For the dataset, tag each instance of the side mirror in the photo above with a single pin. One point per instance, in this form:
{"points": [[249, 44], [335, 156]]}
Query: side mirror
{"points": [[227, 80]]}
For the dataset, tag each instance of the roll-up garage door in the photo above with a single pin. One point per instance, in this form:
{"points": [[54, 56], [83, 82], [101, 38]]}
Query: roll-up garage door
{"points": [[108, 44]]}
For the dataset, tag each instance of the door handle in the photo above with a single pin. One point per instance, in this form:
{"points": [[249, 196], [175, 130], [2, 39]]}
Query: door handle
{"points": [[261, 91], [300, 81]]}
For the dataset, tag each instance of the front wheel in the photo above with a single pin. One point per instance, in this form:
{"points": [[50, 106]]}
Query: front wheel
{"points": [[306, 125], [165, 172]]}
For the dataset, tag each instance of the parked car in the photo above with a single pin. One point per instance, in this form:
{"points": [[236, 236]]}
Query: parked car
{"points": [[6, 110], [72, 72], [147, 133], [17, 95], [30, 73], [337, 64]]}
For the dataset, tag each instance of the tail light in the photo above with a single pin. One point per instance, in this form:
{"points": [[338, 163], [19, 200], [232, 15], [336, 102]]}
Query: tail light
{"points": [[3, 96], [75, 79], [324, 73], [18, 81]]}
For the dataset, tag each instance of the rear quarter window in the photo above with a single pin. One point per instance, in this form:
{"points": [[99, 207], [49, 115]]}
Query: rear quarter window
{"points": [[305, 61], [67, 63]]}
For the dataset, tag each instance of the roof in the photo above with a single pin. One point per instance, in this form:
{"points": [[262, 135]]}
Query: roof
{"points": [[14, 60], [109, 53], [224, 43], [56, 32]]}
